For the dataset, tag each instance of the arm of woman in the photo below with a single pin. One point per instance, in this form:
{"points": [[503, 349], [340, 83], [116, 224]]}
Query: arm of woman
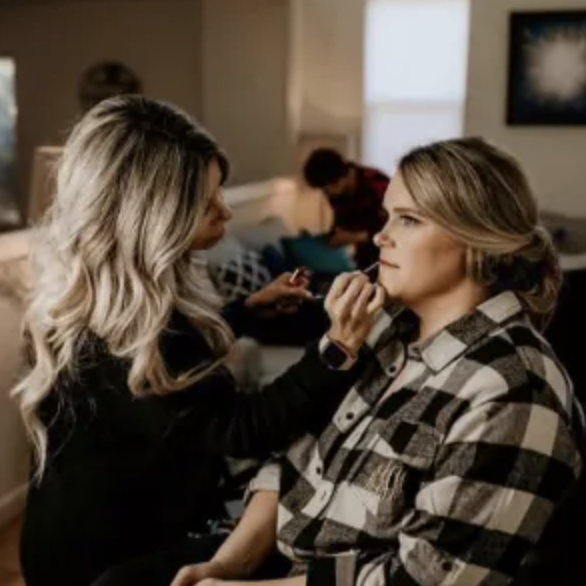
{"points": [[502, 469], [246, 548], [292, 581], [243, 425], [243, 313]]}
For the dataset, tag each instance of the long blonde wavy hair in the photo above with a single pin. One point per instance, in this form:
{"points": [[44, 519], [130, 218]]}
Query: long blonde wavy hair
{"points": [[480, 195], [113, 256]]}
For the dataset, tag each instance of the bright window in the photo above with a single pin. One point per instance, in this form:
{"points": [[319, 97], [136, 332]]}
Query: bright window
{"points": [[416, 57]]}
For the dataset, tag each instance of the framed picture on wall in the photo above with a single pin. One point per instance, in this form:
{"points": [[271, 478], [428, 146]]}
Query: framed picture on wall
{"points": [[547, 68]]}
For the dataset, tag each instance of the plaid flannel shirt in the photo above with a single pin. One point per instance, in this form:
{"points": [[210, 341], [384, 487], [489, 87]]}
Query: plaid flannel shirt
{"points": [[448, 479]]}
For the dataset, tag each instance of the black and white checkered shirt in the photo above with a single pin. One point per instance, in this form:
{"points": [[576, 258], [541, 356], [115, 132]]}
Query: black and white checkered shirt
{"points": [[449, 478]]}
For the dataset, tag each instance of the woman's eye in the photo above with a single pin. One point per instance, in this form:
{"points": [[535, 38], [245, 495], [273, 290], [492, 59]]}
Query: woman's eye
{"points": [[409, 221]]}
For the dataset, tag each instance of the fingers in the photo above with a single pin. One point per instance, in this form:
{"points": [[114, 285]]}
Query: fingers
{"points": [[295, 284], [278, 290], [288, 304], [344, 292], [377, 301], [287, 291], [359, 307], [289, 308], [353, 291], [339, 286], [299, 277], [185, 577]]}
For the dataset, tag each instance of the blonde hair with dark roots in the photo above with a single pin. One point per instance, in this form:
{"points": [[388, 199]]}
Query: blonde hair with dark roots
{"points": [[112, 255], [480, 195]]}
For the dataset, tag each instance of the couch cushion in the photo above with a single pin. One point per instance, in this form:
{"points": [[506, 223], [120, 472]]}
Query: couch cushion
{"points": [[241, 276], [275, 360]]}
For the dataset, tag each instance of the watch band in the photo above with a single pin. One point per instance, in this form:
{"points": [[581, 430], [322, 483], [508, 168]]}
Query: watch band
{"points": [[335, 355]]}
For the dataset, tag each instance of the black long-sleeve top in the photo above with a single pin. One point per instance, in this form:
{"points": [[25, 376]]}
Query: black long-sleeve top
{"points": [[130, 475]]}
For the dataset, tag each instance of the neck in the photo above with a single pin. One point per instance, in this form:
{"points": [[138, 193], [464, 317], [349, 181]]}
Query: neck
{"points": [[438, 312]]}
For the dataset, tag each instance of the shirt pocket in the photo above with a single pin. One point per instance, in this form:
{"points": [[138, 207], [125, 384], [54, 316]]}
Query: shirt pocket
{"points": [[412, 443], [393, 471]]}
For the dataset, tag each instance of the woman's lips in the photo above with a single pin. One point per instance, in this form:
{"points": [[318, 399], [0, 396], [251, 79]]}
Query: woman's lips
{"points": [[386, 263]]}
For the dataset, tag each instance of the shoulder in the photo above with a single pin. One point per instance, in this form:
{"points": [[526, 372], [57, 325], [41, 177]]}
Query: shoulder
{"points": [[93, 374], [515, 392], [182, 346], [515, 363]]}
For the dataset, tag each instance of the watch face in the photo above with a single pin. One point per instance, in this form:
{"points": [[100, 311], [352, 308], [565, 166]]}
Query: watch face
{"points": [[334, 356]]}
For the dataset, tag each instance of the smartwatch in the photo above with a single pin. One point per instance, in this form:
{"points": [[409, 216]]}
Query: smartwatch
{"points": [[334, 355]]}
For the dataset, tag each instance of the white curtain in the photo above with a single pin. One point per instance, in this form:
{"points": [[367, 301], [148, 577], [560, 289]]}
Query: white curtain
{"points": [[416, 54]]}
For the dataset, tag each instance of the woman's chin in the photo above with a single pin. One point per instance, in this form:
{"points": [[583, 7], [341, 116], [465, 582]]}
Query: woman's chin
{"points": [[391, 290], [210, 241]]}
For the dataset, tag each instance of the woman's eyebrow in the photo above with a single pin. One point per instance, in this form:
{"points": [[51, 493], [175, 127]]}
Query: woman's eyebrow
{"points": [[404, 210]]}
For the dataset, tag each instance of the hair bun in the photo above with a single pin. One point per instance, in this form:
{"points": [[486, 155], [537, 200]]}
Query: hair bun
{"points": [[535, 274]]}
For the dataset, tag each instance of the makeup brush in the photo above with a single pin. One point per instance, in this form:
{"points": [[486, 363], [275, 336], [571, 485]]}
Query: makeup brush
{"points": [[366, 271]]}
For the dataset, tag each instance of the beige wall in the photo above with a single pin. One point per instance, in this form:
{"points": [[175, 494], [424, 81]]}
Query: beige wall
{"points": [[253, 71], [54, 42], [554, 157], [244, 83], [14, 450], [325, 88], [328, 60], [274, 68]]}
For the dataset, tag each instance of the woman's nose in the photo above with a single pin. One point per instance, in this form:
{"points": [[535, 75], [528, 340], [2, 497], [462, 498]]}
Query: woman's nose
{"points": [[383, 239], [225, 211]]}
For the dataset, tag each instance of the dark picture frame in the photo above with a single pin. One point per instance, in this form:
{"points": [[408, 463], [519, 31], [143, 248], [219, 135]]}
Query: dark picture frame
{"points": [[547, 68]]}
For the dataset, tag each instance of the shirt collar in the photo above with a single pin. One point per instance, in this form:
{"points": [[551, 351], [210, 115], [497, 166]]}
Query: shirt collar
{"points": [[456, 338]]}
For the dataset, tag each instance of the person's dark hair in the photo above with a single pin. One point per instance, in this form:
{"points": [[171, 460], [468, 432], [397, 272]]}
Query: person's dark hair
{"points": [[324, 166]]}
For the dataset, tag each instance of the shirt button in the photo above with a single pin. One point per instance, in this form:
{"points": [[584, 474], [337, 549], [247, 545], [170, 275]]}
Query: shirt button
{"points": [[392, 370], [350, 416], [447, 566], [318, 470]]}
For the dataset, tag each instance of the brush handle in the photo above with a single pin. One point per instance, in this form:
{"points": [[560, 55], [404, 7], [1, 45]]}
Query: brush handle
{"points": [[321, 297]]}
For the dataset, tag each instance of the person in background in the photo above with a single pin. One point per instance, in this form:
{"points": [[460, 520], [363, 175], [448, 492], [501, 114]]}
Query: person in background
{"points": [[128, 400], [356, 194]]}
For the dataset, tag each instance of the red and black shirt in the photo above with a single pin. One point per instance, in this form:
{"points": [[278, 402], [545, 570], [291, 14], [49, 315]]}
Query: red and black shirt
{"points": [[362, 210]]}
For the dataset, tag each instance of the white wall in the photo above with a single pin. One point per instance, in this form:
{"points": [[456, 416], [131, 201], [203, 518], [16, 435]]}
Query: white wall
{"points": [[553, 157], [244, 83], [54, 42]]}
